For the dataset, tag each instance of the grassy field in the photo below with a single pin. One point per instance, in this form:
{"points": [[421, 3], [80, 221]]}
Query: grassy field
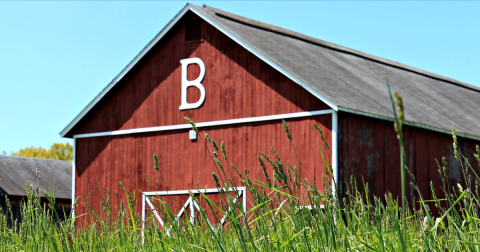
{"points": [[275, 219]]}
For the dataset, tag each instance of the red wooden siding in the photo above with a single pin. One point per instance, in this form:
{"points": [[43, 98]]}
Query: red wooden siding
{"points": [[128, 158], [369, 148], [237, 85]]}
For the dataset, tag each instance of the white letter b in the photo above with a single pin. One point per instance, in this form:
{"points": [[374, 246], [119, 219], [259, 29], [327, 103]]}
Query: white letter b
{"points": [[193, 83]]}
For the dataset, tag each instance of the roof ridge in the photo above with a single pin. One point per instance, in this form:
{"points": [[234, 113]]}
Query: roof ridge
{"points": [[31, 158], [293, 34]]}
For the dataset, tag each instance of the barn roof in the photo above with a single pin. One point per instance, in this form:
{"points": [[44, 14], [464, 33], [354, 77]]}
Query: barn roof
{"points": [[16, 171], [345, 79]]}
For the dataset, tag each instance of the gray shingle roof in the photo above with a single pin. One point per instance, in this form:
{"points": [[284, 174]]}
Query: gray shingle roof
{"points": [[16, 171], [355, 80]]}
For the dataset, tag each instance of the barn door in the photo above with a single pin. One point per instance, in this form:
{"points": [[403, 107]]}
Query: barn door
{"points": [[183, 205]]}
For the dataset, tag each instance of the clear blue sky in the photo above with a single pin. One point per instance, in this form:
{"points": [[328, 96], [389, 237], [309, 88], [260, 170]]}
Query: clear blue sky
{"points": [[55, 57]]}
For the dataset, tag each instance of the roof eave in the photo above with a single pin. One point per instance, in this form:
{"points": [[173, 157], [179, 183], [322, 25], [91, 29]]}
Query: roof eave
{"points": [[409, 123]]}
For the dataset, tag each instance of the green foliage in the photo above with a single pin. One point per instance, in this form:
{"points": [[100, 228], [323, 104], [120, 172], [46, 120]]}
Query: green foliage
{"points": [[58, 151], [276, 218]]}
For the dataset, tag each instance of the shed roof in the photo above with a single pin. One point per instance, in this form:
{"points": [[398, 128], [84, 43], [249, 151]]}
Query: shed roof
{"points": [[16, 171], [346, 79]]}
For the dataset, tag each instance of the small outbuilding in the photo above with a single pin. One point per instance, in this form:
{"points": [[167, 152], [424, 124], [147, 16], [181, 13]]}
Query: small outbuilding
{"points": [[17, 174], [238, 78]]}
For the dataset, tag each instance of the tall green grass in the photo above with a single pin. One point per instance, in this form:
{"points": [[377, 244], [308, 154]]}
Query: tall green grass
{"points": [[276, 218]]}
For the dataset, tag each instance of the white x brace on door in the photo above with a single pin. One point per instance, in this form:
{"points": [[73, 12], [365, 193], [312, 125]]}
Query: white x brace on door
{"points": [[189, 203]]}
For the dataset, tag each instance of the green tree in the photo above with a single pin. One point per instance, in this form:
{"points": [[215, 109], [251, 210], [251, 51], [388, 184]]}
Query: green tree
{"points": [[58, 151]]}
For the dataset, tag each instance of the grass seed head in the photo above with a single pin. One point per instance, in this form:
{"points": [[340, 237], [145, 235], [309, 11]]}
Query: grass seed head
{"points": [[155, 159], [191, 123], [215, 145], [286, 129], [400, 107], [223, 150], [454, 134], [215, 178]]}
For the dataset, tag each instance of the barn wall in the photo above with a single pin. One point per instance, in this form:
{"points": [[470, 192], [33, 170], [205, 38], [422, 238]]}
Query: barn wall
{"points": [[237, 85], [128, 158], [368, 149]]}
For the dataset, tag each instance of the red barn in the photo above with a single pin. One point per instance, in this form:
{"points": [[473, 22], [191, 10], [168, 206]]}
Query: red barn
{"points": [[238, 78]]}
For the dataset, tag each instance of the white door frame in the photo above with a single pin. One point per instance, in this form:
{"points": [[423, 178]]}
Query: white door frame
{"points": [[190, 203]]}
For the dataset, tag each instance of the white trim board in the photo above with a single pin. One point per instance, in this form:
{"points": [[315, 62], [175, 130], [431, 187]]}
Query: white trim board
{"points": [[74, 177], [162, 33], [135, 60], [242, 192], [266, 59], [215, 123], [334, 151], [194, 191], [206, 124]]}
